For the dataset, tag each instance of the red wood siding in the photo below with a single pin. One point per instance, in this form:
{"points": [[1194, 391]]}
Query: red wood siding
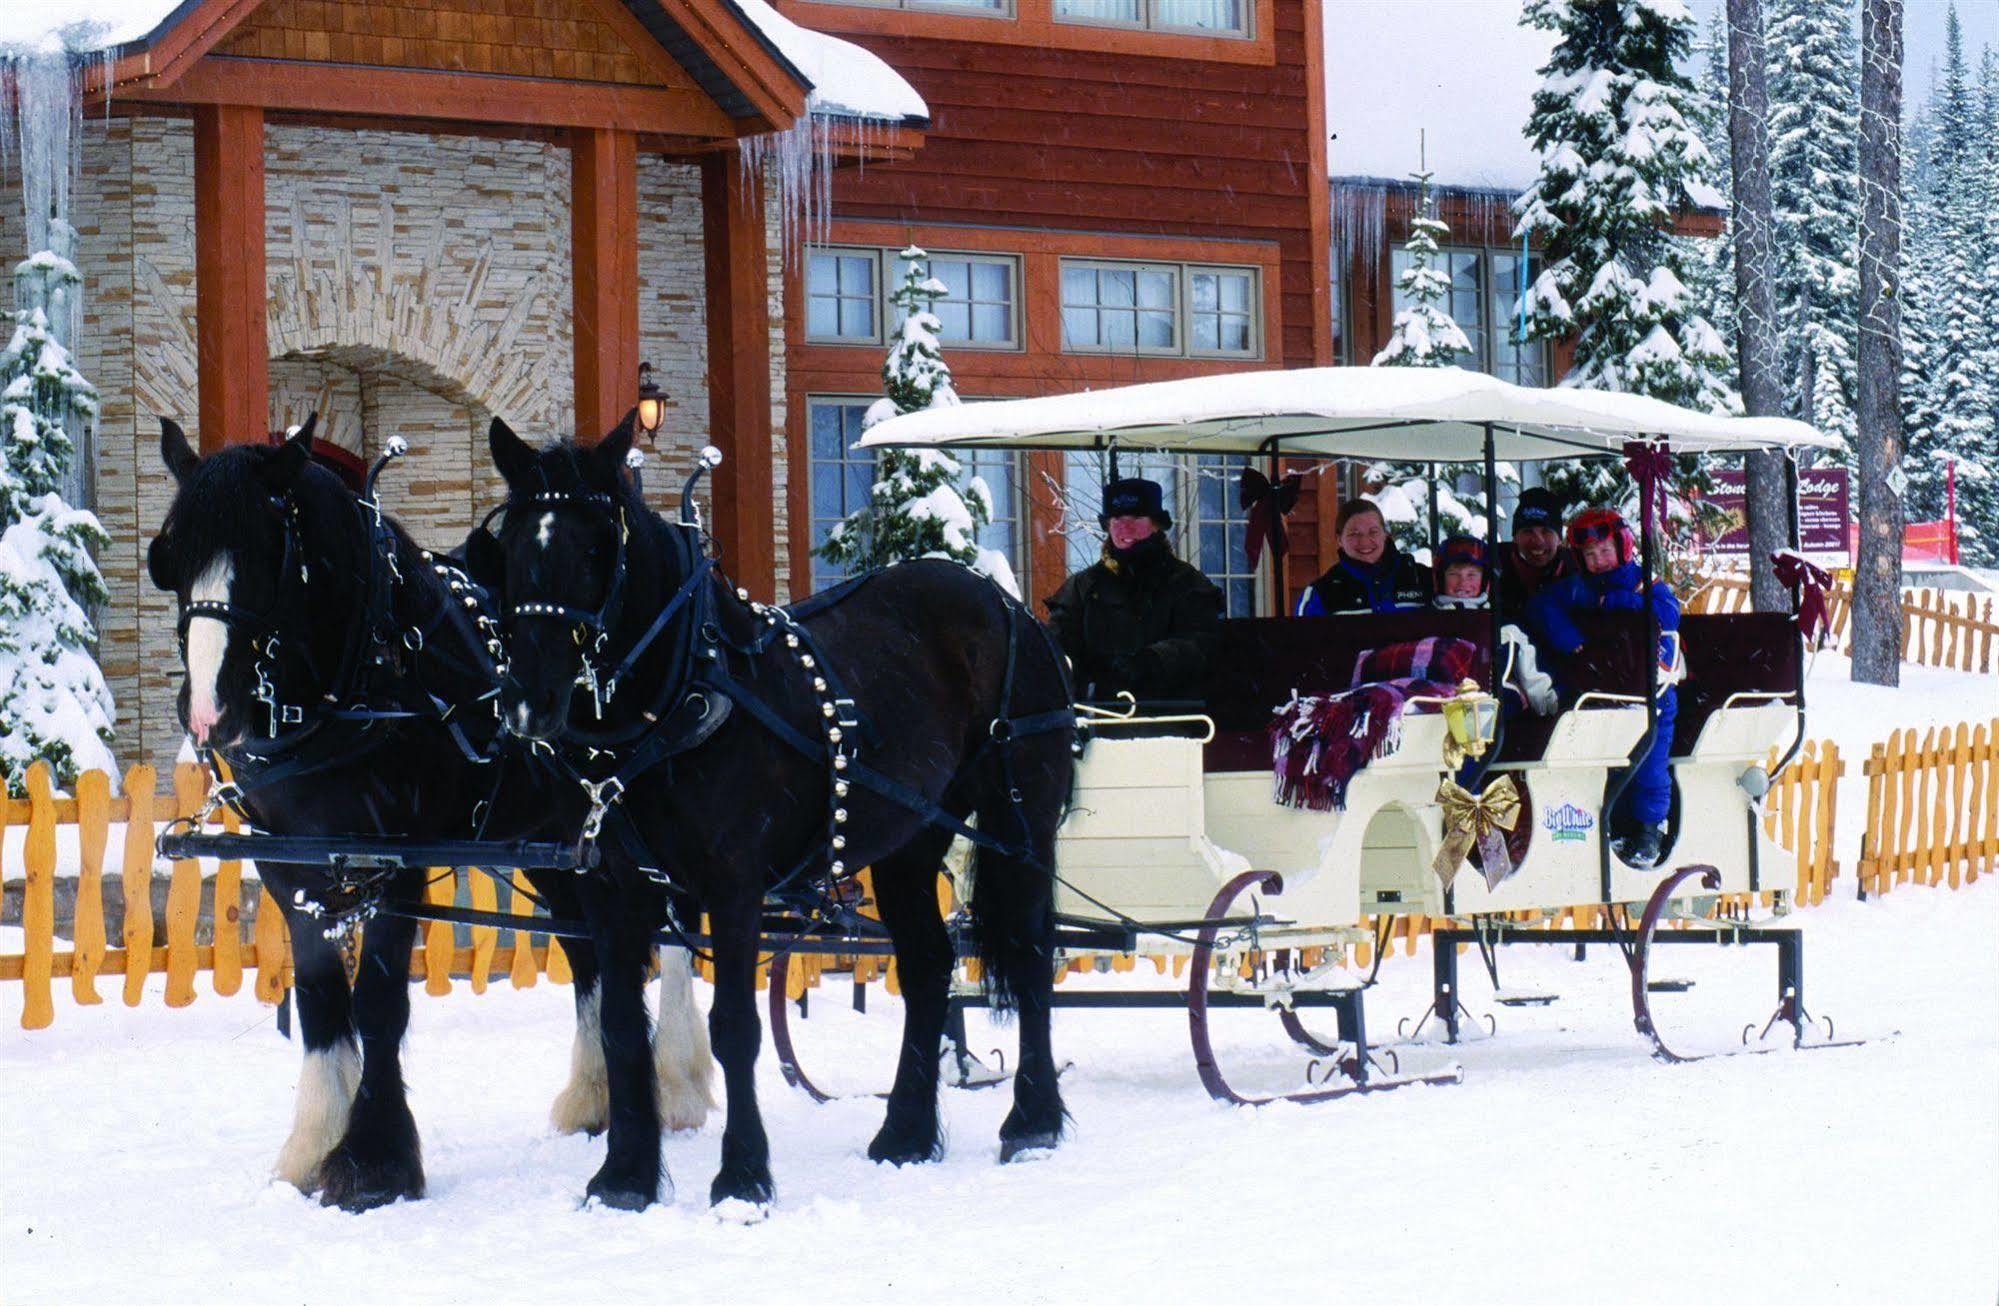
{"points": [[1107, 151]]}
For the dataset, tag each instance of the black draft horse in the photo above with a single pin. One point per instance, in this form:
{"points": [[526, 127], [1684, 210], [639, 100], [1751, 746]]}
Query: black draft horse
{"points": [[930, 654], [276, 567]]}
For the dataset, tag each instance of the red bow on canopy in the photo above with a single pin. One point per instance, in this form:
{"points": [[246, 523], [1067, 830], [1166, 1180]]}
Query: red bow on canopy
{"points": [[1651, 465], [1808, 584], [1268, 505]]}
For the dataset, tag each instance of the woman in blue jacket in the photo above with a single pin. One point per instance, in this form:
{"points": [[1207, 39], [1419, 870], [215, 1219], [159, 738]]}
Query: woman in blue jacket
{"points": [[1372, 575], [1609, 580]]}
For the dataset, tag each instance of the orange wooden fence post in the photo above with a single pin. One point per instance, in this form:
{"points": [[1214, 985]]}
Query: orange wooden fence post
{"points": [[441, 891], [38, 901], [184, 893], [227, 977], [93, 829], [138, 881], [523, 973]]}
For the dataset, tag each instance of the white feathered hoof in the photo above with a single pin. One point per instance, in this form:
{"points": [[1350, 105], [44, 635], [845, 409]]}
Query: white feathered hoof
{"points": [[584, 1104], [327, 1083], [682, 1063]]}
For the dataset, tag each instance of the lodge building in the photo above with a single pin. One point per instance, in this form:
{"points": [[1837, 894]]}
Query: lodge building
{"points": [[411, 217]]}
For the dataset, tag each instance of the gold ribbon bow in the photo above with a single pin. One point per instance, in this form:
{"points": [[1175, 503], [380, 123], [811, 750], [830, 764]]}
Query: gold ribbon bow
{"points": [[1477, 819]]}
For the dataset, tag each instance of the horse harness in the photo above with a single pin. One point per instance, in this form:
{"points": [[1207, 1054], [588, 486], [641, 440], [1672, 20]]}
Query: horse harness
{"points": [[698, 693], [374, 679]]}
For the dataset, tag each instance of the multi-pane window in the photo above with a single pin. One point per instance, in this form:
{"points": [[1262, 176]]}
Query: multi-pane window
{"points": [[1159, 308], [1220, 527], [847, 297], [1486, 287], [842, 479], [1222, 17], [1200, 492], [842, 288], [841, 476]]}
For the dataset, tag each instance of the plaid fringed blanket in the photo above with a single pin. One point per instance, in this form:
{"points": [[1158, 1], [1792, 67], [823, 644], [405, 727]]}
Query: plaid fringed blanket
{"points": [[1319, 742]]}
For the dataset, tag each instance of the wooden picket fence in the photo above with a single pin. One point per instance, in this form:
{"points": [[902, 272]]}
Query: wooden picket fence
{"points": [[80, 952], [1932, 808], [1940, 628], [1932, 818]]}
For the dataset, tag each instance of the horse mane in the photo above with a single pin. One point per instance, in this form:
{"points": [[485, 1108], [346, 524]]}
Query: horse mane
{"points": [[219, 508]]}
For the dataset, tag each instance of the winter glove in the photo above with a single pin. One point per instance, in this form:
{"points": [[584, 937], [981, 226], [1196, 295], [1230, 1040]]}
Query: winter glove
{"points": [[1623, 601], [1141, 670]]}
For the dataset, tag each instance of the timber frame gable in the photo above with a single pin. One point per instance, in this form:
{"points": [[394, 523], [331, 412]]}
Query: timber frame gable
{"points": [[691, 75]]}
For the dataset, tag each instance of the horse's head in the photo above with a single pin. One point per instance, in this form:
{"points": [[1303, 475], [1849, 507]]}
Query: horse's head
{"points": [[231, 551], [561, 549]]}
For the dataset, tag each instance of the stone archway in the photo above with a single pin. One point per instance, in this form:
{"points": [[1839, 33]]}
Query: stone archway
{"points": [[365, 394]]}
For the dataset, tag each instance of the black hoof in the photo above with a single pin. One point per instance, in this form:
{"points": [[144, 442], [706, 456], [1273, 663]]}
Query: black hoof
{"points": [[1028, 1146], [620, 1191], [355, 1183], [897, 1148], [740, 1186]]}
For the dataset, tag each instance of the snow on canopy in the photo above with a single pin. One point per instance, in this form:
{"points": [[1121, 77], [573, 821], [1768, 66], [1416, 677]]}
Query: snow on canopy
{"points": [[1462, 74], [1415, 414], [846, 80]]}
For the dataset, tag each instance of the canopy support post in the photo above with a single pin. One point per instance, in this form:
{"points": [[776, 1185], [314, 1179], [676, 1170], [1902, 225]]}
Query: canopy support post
{"points": [[1434, 540], [1495, 620]]}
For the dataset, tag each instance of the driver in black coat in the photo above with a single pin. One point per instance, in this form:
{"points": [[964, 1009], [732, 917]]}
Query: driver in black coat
{"points": [[1139, 619]]}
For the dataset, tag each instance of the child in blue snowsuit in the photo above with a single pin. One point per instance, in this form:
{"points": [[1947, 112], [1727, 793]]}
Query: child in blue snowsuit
{"points": [[1608, 579]]}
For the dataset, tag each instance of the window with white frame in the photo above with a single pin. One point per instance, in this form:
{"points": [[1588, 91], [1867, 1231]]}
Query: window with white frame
{"points": [[1199, 491], [1115, 307], [842, 478], [1486, 289], [1212, 17], [847, 297]]}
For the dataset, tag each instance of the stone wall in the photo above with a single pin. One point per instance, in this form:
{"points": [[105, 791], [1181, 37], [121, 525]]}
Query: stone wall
{"points": [[418, 286]]}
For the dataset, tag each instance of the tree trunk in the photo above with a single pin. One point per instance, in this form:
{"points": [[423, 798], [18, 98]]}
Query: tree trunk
{"points": [[1766, 490], [1877, 585]]}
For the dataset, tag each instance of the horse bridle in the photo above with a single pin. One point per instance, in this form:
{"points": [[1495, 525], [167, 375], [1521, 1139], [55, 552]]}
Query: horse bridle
{"points": [[262, 629], [589, 627]]}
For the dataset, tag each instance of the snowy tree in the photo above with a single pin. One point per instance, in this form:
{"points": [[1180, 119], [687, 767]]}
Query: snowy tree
{"points": [[919, 506], [1815, 198], [54, 705], [1619, 159], [1425, 333], [1877, 593], [1753, 237], [1952, 413]]}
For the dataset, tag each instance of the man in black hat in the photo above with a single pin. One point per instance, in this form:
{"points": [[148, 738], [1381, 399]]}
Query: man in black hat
{"points": [[1535, 557], [1139, 619]]}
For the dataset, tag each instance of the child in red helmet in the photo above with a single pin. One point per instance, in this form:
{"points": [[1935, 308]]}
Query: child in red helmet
{"points": [[1608, 579], [1461, 583]]}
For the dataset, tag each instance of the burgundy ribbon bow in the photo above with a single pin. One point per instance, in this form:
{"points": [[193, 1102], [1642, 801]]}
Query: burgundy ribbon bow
{"points": [[1808, 584], [1268, 505], [1651, 465]]}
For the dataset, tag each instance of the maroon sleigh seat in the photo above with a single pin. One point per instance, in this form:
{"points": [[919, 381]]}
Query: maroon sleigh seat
{"points": [[1733, 653], [1261, 661]]}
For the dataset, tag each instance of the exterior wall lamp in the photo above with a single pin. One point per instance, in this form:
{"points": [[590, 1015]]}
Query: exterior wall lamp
{"points": [[652, 403]]}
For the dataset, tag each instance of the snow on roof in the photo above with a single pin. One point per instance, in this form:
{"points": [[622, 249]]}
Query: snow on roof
{"points": [[51, 25], [847, 81], [1418, 414], [1461, 72]]}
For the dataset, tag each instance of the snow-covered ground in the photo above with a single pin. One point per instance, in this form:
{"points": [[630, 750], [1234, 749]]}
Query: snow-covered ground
{"points": [[1568, 1167]]}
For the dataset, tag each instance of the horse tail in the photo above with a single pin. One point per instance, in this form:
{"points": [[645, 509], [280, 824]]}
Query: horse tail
{"points": [[1026, 795]]}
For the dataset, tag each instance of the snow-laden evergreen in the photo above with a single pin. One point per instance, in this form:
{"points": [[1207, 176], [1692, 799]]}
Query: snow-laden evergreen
{"points": [[1950, 297], [1619, 159], [1425, 333], [54, 705], [1815, 200], [1710, 263], [920, 505]]}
